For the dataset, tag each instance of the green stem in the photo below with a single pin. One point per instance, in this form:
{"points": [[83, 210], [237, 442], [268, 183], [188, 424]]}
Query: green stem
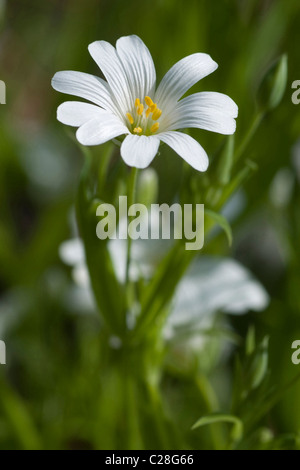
{"points": [[211, 401], [250, 134], [103, 167], [131, 402], [131, 193], [107, 291], [158, 415]]}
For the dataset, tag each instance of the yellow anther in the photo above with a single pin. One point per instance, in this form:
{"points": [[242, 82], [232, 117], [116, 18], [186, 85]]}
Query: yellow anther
{"points": [[153, 107], [156, 115], [138, 130], [130, 118], [148, 101], [140, 109], [155, 127], [148, 112], [137, 103]]}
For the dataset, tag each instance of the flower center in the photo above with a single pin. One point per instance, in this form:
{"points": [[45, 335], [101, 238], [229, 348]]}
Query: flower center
{"points": [[143, 118]]}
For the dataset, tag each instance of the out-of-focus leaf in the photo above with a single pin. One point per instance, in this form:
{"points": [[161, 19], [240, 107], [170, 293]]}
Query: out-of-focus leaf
{"points": [[222, 222], [237, 429], [19, 417], [260, 364]]}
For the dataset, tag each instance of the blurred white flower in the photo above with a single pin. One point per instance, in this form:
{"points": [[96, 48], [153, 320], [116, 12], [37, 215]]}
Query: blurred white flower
{"points": [[212, 284], [80, 296], [145, 255], [71, 252], [128, 103], [215, 284]]}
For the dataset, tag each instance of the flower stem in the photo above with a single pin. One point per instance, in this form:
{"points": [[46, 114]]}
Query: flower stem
{"points": [[211, 401], [133, 435], [131, 193], [250, 134], [106, 288], [160, 424]]}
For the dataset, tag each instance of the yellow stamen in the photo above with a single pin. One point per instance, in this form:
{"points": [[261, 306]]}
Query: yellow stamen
{"points": [[148, 112], [140, 109], [137, 103], [156, 115], [148, 101], [155, 127], [138, 130], [153, 107], [130, 118]]}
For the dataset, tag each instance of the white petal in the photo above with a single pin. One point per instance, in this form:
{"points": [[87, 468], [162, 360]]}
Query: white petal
{"points": [[212, 284], [84, 85], [138, 65], [211, 111], [187, 148], [76, 113], [100, 130], [139, 151], [182, 76], [211, 100], [105, 56]]}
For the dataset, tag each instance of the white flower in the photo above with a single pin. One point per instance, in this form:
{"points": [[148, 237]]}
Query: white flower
{"points": [[213, 284], [129, 103]]}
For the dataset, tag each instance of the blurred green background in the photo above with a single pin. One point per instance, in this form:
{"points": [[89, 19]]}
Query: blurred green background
{"points": [[49, 387]]}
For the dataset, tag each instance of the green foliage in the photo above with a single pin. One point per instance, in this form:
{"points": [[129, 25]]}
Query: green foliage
{"points": [[253, 398]]}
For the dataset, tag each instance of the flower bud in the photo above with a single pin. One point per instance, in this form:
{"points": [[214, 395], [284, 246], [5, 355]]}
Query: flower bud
{"points": [[273, 85]]}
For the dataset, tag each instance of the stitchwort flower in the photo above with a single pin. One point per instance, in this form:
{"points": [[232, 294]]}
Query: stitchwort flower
{"points": [[128, 103]]}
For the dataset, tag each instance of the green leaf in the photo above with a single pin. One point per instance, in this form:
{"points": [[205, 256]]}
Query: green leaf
{"points": [[222, 222], [260, 364], [268, 401], [19, 417], [237, 429]]}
